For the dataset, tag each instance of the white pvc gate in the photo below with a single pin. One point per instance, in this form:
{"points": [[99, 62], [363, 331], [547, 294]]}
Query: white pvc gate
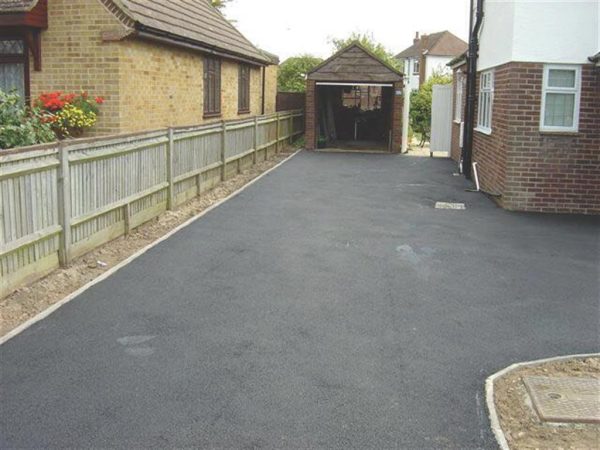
{"points": [[441, 118]]}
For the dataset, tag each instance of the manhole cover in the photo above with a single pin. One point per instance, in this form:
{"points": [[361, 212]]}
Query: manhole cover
{"points": [[565, 399], [445, 205]]}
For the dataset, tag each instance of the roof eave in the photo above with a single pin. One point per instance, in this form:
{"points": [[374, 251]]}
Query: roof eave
{"points": [[165, 37]]}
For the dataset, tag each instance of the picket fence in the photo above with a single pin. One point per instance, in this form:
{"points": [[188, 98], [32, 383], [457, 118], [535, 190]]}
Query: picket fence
{"points": [[59, 201]]}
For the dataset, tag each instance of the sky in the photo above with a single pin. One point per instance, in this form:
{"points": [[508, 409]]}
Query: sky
{"points": [[288, 28]]}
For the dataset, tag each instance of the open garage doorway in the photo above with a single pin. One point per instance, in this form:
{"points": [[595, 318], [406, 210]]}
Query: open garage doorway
{"points": [[354, 103], [355, 116]]}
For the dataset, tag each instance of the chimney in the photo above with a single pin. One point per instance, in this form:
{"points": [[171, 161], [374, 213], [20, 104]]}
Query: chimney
{"points": [[416, 39]]}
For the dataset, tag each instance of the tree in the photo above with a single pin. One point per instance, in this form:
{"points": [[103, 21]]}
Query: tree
{"points": [[368, 41], [292, 72], [420, 105]]}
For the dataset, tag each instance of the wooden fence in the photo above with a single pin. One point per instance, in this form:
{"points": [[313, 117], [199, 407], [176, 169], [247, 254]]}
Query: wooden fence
{"points": [[59, 201]]}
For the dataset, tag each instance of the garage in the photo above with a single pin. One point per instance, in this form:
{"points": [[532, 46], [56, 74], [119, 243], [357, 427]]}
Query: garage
{"points": [[354, 103]]}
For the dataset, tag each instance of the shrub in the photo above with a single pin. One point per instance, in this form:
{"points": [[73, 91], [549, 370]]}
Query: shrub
{"points": [[21, 126], [420, 105]]}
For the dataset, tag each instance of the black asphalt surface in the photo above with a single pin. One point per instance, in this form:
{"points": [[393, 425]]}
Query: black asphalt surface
{"points": [[327, 306]]}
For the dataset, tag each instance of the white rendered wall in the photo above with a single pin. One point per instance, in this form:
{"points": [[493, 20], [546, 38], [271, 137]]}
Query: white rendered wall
{"points": [[437, 64], [552, 31], [408, 70]]}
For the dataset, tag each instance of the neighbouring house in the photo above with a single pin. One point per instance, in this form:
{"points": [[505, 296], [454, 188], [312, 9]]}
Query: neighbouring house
{"points": [[156, 63], [429, 53], [533, 127], [354, 102]]}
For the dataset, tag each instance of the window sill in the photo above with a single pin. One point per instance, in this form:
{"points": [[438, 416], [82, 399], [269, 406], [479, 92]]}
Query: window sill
{"points": [[457, 122], [244, 112], [487, 131], [211, 115], [558, 133]]}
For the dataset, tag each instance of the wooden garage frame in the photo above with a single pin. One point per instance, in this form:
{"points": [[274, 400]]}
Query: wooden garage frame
{"points": [[355, 66]]}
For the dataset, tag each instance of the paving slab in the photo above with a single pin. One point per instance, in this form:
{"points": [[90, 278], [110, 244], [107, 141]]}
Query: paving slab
{"points": [[330, 305]]}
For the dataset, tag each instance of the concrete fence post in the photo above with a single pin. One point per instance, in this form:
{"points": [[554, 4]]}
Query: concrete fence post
{"points": [[255, 140], [64, 205], [278, 134], [171, 186], [223, 153]]}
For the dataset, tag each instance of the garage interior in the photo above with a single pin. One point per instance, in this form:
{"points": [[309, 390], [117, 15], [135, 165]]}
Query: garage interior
{"points": [[354, 103], [355, 116]]}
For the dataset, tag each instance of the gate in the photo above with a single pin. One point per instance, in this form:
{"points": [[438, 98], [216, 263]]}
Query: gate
{"points": [[441, 118]]}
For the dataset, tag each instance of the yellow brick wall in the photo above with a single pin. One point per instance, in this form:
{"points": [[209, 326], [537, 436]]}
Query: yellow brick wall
{"points": [[160, 86], [146, 85], [271, 89], [74, 58]]}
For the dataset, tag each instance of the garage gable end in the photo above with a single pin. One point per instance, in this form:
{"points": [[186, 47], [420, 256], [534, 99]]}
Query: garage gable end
{"points": [[355, 64]]}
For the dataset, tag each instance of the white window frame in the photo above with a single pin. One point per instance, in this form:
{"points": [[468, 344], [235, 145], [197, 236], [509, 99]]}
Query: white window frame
{"points": [[458, 97], [484, 126], [416, 67], [561, 90]]}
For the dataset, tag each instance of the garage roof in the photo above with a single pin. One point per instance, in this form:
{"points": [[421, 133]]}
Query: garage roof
{"points": [[355, 64]]}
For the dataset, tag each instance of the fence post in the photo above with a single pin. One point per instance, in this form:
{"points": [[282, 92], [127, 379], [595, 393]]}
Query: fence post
{"points": [[255, 140], [223, 158], [127, 218], [171, 187], [278, 134], [64, 205]]}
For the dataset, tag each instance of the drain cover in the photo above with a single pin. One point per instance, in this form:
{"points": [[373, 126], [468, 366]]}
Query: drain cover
{"points": [[565, 399], [444, 205]]}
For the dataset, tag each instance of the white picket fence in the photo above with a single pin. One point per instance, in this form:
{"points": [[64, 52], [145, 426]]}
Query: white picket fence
{"points": [[59, 201]]}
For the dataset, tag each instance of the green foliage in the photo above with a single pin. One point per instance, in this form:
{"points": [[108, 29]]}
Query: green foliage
{"points": [[368, 41], [21, 126], [219, 4], [420, 105], [292, 72]]}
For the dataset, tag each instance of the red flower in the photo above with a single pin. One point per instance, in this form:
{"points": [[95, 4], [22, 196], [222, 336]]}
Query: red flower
{"points": [[99, 100]]}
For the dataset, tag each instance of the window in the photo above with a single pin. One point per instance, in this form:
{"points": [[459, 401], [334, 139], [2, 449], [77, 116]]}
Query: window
{"points": [[486, 99], [244, 89], [416, 65], [212, 87], [560, 98], [458, 98], [14, 67]]}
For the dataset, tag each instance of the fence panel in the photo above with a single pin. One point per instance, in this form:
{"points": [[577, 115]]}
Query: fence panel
{"points": [[60, 201]]}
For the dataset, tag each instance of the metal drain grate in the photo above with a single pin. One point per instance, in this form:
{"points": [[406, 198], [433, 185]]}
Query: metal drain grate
{"points": [[565, 399], [444, 205]]}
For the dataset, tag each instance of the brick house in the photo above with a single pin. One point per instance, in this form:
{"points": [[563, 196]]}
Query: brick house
{"points": [[156, 63], [428, 54], [534, 125]]}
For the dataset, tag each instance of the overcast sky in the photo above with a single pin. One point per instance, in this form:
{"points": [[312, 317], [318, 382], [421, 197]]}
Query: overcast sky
{"points": [[288, 28]]}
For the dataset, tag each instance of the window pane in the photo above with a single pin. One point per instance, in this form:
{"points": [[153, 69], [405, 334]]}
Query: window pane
{"points": [[561, 78], [12, 77], [11, 47], [559, 110]]}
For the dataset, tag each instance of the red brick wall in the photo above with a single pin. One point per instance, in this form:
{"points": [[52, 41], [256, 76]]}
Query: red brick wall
{"points": [[534, 170], [310, 134], [397, 108], [455, 150], [490, 151], [549, 172]]}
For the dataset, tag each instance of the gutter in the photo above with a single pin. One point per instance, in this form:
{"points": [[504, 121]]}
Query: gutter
{"points": [[472, 54], [164, 37]]}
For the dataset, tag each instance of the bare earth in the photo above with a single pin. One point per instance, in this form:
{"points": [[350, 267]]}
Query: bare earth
{"points": [[29, 301], [520, 423]]}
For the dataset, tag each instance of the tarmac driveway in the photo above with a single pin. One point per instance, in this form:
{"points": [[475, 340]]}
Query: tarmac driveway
{"points": [[327, 306]]}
